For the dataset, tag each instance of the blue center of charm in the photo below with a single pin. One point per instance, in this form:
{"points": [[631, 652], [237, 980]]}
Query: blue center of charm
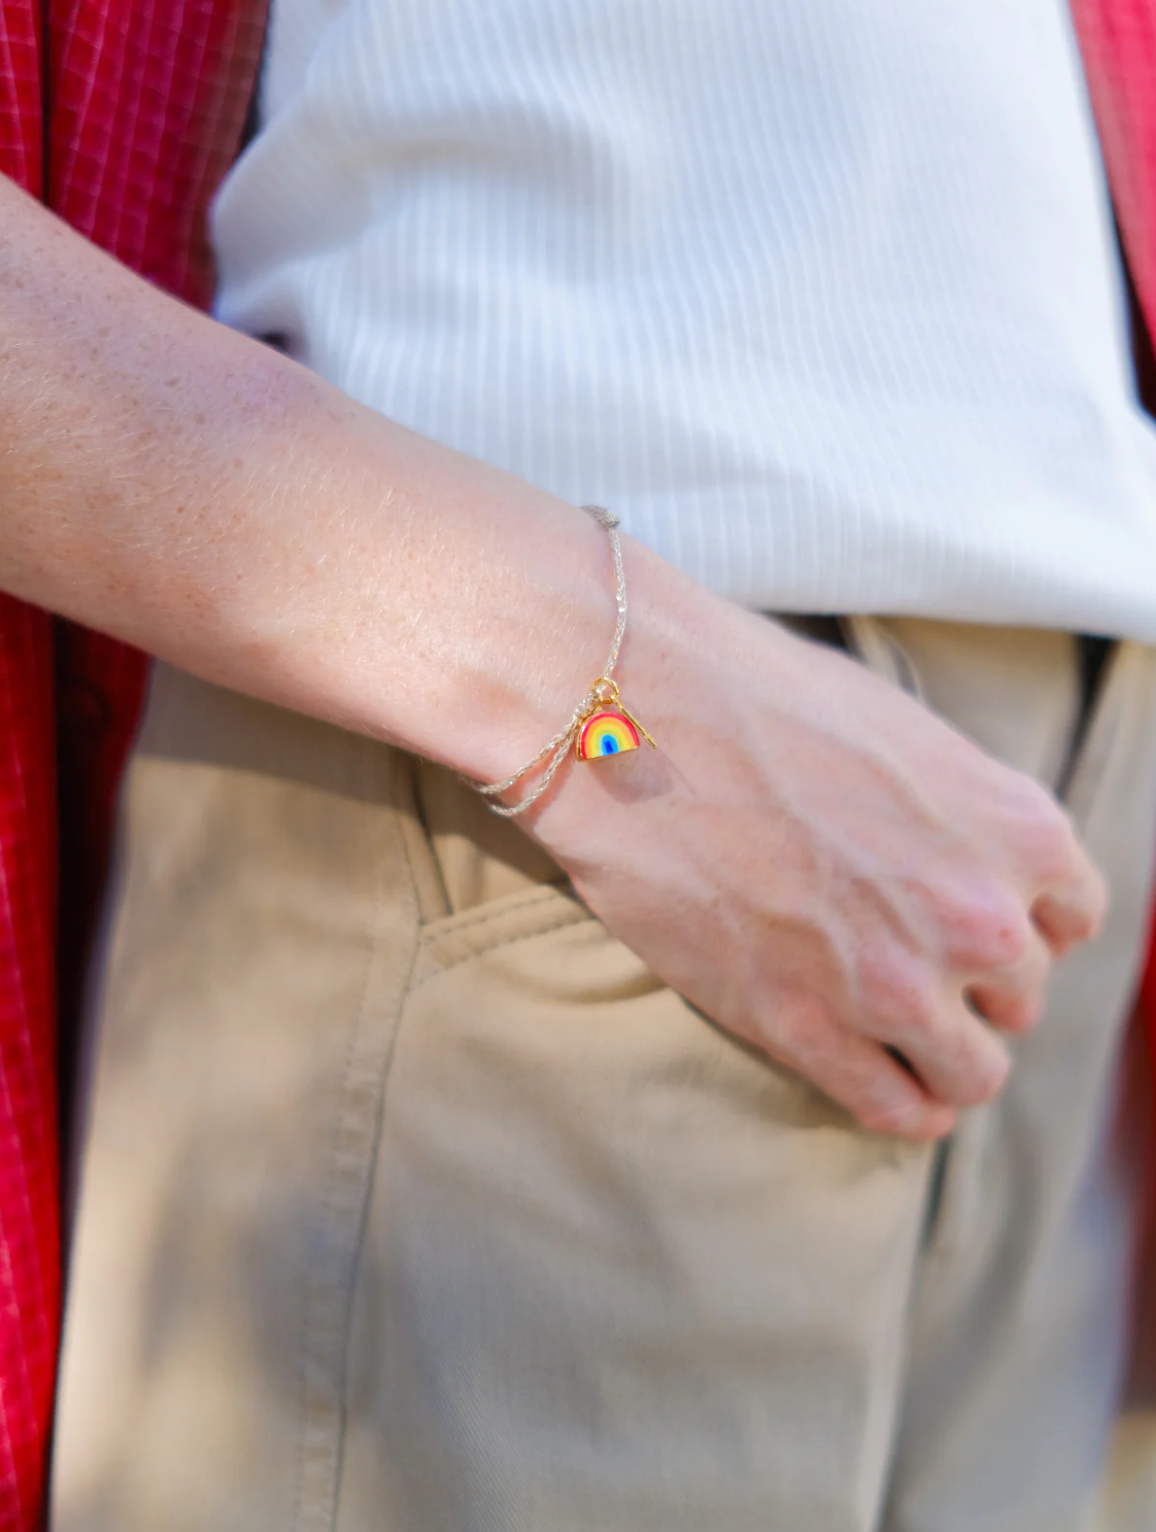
{"points": [[609, 747]]}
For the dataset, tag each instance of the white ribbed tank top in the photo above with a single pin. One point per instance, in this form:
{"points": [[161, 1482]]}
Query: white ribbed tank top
{"points": [[821, 295]]}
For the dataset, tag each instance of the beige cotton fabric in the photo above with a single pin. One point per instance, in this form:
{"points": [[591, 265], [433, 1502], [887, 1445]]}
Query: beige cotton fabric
{"points": [[412, 1202]]}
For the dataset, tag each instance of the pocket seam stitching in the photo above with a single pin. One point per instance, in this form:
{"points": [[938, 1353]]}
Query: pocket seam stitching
{"points": [[469, 920], [576, 915]]}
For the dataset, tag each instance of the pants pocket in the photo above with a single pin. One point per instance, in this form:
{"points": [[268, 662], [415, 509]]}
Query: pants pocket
{"points": [[618, 1271]]}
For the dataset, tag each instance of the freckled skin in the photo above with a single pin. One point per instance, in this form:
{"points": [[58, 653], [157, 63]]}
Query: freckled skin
{"points": [[811, 858]]}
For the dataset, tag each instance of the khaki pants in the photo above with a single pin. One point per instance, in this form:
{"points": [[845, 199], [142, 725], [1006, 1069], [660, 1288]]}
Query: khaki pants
{"points": [[412, 1202]]}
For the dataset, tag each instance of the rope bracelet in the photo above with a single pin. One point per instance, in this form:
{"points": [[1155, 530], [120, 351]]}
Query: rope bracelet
{"points": [[600, 725]]}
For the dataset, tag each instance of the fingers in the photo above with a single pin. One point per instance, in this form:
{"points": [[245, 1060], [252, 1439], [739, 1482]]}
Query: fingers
{"points": [[913, 1007], [1067, 895], [1012, 998], [942, 1027], [1070, 915], [860, 1075], [947, 1038], [911, 1034], [955, 1055], [1004, 941], [959, 1061]]}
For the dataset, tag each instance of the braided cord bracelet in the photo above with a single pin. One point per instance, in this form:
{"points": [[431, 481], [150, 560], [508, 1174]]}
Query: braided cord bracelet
{"points": [[600, 725]]}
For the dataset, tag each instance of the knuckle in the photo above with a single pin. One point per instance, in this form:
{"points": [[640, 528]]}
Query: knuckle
{"points": [[1014, 1003], [971, 1064], [795, 1034], [988, 1077], [990, 932], [901, 998], [888, 1114], [1045, 834], [982, 1071], [1093, 908], [1022, 1018], [1015, 1013]]}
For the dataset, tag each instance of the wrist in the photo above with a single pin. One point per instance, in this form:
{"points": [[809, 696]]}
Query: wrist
{"points": [[509, 613], [643, 684], [522, 669]]}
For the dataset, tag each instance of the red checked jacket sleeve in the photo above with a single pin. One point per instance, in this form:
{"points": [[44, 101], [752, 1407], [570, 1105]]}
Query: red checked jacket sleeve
{"points": [[147, 101]]}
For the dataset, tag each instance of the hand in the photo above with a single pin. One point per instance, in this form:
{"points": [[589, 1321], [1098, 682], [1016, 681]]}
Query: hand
{"points": [[812, 859], [821, 865]]}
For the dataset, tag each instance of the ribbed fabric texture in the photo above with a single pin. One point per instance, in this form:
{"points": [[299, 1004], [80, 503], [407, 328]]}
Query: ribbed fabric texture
{"points": [[822, 297]]}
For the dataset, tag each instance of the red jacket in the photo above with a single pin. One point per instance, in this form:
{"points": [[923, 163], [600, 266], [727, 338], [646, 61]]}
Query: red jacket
{"points": [[123, 119], [146, 100]]}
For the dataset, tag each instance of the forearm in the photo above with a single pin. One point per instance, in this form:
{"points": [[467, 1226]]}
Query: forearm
{"points": [[190, 490], [812, 859]]}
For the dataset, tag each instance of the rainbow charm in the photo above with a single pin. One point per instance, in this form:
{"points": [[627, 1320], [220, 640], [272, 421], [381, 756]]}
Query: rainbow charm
{"points": [[608, 729], [607, 732]]}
